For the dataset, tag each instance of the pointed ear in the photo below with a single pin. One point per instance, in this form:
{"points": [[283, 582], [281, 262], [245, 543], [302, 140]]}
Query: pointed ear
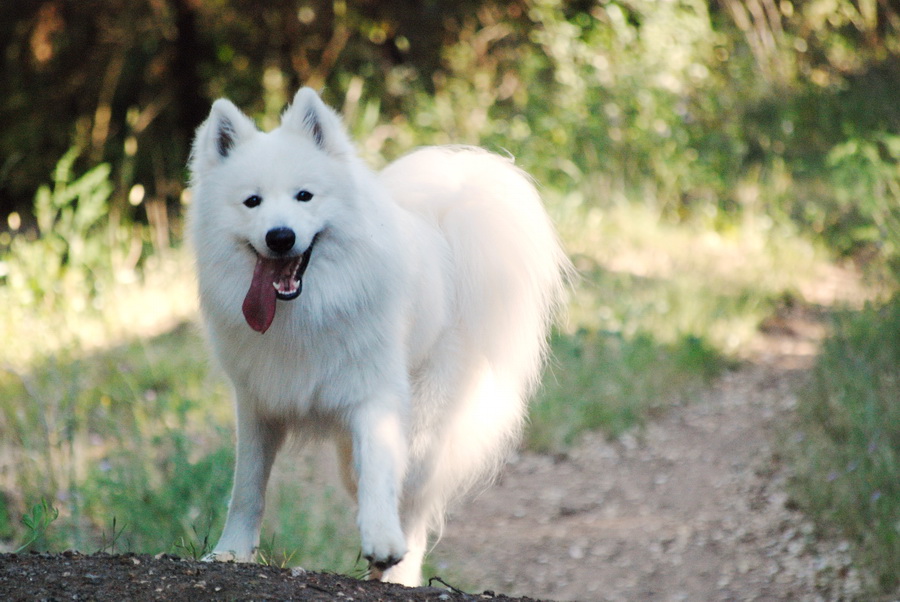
{"points": [[224, 129], [309, 116]]}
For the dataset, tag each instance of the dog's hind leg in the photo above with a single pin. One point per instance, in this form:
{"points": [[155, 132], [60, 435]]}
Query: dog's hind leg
{"points": [[345, 460], [258, 441]]}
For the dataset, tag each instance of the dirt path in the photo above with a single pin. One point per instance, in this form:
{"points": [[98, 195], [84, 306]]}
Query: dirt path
{"points": [[692, 508]]}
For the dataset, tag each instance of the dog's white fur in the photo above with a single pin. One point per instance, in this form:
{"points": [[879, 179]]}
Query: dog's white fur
{"points": [[420, 331]]}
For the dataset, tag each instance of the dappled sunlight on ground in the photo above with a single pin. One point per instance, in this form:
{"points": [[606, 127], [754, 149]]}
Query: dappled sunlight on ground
{"points": [[132, 307]]}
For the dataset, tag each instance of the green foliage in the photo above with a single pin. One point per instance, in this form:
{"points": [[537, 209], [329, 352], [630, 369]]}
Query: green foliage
{"points": [[136, 446], [865, 173], [691, 106], [111, 436], [64, 271], [310, 525], [269, 556], [667, 104], [604, 381], [166, 503], [37, 522], [67, 262], [629, 83], [620, 100], [847, 451], [658, 312], [110, 543], [196, 547]]}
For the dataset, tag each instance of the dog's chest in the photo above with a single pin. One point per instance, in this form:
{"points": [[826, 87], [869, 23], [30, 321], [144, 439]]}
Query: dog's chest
{"points": [[292, 374]]}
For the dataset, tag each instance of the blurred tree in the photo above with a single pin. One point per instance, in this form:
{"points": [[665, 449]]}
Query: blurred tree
{"points": [[129, 81], [676, 101]]}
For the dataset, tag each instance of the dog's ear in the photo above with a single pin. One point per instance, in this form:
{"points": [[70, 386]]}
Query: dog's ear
{"points": [[309, 116], [224, 129]]}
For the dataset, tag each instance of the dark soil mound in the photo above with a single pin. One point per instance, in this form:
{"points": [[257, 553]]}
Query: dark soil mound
{"points": [[105, 577]]}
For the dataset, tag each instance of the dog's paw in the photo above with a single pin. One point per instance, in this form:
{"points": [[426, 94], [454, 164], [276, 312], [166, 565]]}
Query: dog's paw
{"points": [[383, 564], [227, 556], [384, 549]]}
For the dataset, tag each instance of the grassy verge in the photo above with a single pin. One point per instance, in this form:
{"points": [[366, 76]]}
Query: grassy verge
{"points": [[134, 446], [606, 381], [660, 309], [114, 435], [846, 450]]}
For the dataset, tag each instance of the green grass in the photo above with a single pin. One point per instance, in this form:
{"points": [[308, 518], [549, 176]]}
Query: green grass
{"points": [[134, 446], [605, 381], [846, 450], [139, 434], [660, 309], [311, 526], [37, 521]]}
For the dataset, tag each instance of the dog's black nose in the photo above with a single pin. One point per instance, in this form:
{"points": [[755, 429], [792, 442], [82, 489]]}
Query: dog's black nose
{"points": [[280, 240]]}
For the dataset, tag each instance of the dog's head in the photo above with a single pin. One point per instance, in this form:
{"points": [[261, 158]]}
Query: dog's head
{"points": [[273, 195]]}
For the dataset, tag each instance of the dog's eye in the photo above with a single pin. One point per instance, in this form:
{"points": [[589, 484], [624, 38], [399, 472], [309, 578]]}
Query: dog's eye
{"points": [[253, 201], [304, 195]]}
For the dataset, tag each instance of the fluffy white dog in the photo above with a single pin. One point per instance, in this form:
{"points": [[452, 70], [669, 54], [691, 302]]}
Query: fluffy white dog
{"points": [[404, 314]]}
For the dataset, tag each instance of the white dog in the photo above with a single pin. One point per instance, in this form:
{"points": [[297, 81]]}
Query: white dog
{"points": [[403, 314]]}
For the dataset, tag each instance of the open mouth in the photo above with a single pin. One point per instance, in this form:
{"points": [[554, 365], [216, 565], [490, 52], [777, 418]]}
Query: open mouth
{"points": [[273, 279], [288, 280]]}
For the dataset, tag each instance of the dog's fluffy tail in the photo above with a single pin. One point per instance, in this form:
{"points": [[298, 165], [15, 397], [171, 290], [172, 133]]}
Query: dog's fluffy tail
{"points": [[509, 278]]}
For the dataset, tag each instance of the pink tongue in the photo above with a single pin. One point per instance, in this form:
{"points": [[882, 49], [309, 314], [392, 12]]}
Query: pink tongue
{"points": [[259, 304]]}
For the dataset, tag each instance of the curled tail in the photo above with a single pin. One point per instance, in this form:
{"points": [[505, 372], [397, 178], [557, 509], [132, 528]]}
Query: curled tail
{"points": [[508, 280]]}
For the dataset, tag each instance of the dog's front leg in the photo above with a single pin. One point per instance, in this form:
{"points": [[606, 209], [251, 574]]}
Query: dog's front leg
{"points": [[379, 456], [258, 441]]}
